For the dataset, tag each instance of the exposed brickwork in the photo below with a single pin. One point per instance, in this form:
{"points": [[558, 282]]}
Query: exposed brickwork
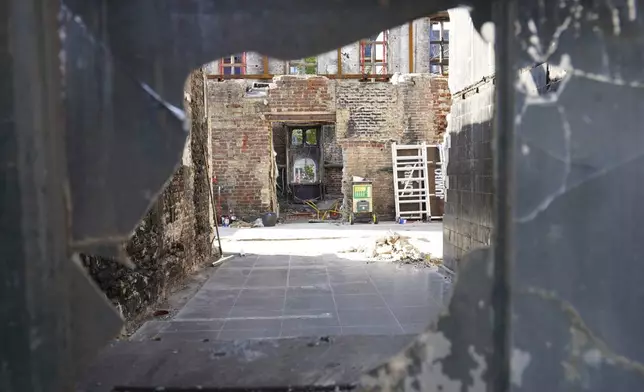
{"points": [[333, 180], [408, 110], [332, 150], [241, 148], [302, 94], [373, 161], [173, 238]]}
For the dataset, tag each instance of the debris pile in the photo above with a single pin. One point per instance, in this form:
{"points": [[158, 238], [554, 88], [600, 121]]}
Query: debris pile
{"points": [[240, 224], [395, 248]]}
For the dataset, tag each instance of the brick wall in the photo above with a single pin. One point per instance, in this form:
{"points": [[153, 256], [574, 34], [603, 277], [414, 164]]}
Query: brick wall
{"points": [[241, 148], [409, 109], [173, 239], [333, 180], [302, 94]]}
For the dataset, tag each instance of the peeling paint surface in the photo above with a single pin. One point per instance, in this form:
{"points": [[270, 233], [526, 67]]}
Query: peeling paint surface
{"points": [[575, 321]]}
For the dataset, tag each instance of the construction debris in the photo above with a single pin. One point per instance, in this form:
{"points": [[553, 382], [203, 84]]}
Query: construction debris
{"points": [[395, 248], [238, 224]]}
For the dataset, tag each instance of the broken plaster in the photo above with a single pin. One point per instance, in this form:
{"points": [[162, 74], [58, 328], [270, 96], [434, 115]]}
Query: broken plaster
{"points": [[586, 347]]}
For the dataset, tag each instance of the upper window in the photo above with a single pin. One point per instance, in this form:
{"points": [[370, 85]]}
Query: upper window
{"points": [[439, 45], [305, 66], [304, 137], [373, 54], [234, 64]]}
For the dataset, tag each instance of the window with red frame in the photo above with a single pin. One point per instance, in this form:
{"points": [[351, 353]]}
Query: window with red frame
{"points": [[373, 55], [234, 64]]}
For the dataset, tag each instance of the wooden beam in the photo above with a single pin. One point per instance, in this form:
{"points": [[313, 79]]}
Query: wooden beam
{"points": [[339, 61], [411, 47], [379, 78], [265, 65]]}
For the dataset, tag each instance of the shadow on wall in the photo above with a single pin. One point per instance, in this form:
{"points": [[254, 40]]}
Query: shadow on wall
{"points": [[467, 223]]}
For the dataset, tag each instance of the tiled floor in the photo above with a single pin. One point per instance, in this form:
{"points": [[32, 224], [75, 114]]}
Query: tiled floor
{"points": [[287, 296]]}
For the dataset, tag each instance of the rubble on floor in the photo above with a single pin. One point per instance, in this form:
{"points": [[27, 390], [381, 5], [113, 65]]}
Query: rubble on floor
{"points": [[240, 224], [395, 248]]}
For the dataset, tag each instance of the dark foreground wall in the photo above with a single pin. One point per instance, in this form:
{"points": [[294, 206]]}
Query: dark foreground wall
{"points": [[173, 239], [468, 217]]}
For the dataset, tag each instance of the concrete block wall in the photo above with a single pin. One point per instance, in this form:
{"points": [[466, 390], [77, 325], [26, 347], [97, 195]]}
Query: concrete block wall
{"points": [[173, 239], [468, 220], [467, 223]]}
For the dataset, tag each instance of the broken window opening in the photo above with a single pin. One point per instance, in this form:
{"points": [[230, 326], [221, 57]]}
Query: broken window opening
{"points": [[301, 137], [234, 64], [305, 162], [305, 171], [373, 55], [305, 66], [439, 45]]}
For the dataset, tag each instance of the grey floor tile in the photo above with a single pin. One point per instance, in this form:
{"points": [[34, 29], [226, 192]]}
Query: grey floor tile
{"points": [[239, 262], [310, 302], [192, 336], [203, 312], [353, 288], [407, 298], [307, 277], [272, 292], [243, 334], [253, 323], [415, 328], [310, 332], [273, 258], [149, 330], [227, 278], [306, 261], [372, 330], [231, 273], [321, 319], [416, 314], [366, 317], [333, 271], [349, 277], [242, 312], [267, 278], [214, 298], [223, 282], [319, 289], [260, 303], [381, 268], [191, 326], [359, 301], [343, 264], [272, 261], [182, 337], [401, 285]]}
